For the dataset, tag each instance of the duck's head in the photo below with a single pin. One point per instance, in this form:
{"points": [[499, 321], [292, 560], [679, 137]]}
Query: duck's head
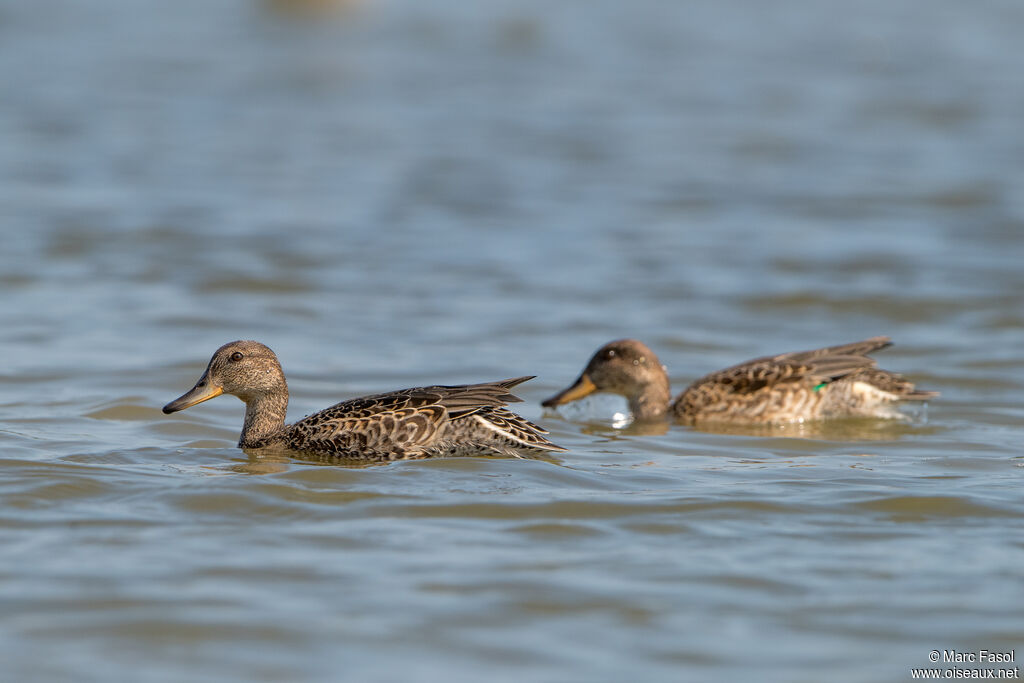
{"points": [[626, 367], [246, 369]]}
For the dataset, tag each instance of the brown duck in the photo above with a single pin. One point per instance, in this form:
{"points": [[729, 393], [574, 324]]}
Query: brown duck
{"points": [[424, 422], [836, 381]]}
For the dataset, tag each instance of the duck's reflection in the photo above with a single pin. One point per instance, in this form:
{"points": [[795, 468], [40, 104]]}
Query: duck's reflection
{"points": [[843, 429], [267, 461]]}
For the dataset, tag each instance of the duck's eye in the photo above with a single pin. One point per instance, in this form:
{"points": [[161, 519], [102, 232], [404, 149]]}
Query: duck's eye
{"points": [[610, 353], [236, 356]]}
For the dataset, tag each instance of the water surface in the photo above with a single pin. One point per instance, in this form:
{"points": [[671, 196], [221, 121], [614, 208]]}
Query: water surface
{"points": [[406, 193]]}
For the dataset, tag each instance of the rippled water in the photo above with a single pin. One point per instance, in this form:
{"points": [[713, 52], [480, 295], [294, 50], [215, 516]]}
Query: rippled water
{"points": [[405, 193]]}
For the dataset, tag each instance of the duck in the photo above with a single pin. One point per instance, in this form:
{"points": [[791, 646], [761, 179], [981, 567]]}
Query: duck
{"points": [[830, 382], [423, 422]]}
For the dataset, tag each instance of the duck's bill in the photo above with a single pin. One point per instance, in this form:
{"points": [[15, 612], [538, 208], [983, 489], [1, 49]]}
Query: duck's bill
{"points": [[580, 388], [203, 391]]}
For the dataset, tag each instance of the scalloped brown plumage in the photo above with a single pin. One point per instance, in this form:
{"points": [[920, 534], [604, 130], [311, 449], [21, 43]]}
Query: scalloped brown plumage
{"points": [[835, 381], [421, 422]]}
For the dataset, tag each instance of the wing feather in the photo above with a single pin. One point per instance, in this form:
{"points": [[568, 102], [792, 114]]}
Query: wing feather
{"points": [[399, 423], [817, 365]]}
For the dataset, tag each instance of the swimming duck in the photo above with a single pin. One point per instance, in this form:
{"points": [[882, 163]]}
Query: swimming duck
{"points": [[468, 419], [835, 381]]}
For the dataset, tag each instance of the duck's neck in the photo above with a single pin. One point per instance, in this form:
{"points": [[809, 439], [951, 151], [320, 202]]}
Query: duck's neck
{"points": [[651, 402], [264, 418]]}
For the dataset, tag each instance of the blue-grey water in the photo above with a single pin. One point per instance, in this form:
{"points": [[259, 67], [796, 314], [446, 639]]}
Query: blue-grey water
{"points": [[399, 193]]}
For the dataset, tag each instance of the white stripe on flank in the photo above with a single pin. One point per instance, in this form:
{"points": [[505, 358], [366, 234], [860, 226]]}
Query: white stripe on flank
{"points": [[510, 435]]}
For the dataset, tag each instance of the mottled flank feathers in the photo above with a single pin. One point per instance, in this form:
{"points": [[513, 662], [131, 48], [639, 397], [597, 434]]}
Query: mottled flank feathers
{"points": [[421, 422]]}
